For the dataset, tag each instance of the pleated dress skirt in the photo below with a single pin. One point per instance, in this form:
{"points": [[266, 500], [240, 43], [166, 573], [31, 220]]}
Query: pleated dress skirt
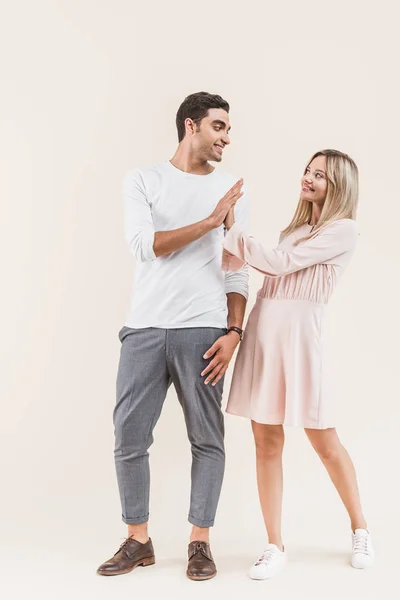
{"points": [[282, 372]]}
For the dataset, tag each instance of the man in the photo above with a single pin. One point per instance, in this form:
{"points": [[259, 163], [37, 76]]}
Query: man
{"points": [[184, 325]]}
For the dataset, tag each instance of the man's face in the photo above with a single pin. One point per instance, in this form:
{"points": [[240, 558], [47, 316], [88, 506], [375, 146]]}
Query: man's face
{"points": [[212, 135]]}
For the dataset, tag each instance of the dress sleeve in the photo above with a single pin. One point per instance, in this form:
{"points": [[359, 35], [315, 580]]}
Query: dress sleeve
{"points": [[333, 241], [237, 276]]}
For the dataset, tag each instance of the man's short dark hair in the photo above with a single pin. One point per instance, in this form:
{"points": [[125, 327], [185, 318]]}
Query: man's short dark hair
{"points": [[196, 107]]}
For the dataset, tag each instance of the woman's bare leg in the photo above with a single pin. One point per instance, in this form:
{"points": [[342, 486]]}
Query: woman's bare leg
{"points": [[341, 471], [269, 441]]}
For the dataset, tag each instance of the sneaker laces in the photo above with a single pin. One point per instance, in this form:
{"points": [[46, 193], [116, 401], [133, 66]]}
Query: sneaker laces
{"points": [[360, 544], [266, 557]]}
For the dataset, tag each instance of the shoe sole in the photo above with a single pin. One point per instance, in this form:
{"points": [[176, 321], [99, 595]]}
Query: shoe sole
{"points": [[362, 568], [143, 562], [260, 578], [199, 578]]}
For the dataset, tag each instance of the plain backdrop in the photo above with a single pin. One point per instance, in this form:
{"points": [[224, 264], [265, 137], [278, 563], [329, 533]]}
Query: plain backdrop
{"points": [[90, 89]]}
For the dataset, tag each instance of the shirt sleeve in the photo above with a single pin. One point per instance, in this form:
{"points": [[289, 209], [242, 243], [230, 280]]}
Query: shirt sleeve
{"points": [[237, 276], [332, 242], [138, 221]]}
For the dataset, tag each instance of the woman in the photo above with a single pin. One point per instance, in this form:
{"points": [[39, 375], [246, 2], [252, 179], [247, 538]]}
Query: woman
{"points": [[281, 376]]}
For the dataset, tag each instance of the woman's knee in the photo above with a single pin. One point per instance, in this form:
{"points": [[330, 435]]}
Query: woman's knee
{"points": [[325, 442], [269, 440]]}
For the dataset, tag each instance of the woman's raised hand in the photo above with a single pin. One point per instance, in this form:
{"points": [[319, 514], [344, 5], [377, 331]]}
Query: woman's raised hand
{"points": [[230, 218], [226, 203]]}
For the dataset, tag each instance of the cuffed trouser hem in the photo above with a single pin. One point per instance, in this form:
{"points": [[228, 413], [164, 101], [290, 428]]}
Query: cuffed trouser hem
{"points": [[200, 522], [135, 520]]}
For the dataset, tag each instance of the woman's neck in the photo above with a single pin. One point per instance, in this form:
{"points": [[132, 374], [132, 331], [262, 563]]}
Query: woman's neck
{"points": [[315, 215]]}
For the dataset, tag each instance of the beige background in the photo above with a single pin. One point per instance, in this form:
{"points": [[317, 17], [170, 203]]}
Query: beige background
{"points": [[90, 89]]}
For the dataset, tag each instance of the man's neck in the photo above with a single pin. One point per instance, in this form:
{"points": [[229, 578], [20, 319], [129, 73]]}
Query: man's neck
{"points": [[185, 161]]}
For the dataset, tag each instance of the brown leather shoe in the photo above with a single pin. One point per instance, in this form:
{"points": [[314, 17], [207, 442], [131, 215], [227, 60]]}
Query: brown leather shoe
{"points": [[201, 564], [131, 554]]}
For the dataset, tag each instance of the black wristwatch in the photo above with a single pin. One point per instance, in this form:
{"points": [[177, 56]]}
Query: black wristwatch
{"points": [[237, 329]]}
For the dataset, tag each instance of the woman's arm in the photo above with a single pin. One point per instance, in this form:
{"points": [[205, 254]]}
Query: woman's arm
{"points": [[332, 241]]}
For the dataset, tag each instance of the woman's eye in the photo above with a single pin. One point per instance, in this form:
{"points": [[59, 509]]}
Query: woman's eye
{"points": [[319, 175]]}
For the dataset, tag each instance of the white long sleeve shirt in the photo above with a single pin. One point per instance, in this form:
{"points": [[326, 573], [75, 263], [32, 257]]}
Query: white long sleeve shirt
{"points": [[186, 288]]}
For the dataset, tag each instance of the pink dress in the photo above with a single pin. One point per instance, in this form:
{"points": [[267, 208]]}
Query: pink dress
{"points": [[281, 375]]}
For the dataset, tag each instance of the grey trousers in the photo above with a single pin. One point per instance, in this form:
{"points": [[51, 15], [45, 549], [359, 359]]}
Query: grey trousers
{"points": [[151, 359]]}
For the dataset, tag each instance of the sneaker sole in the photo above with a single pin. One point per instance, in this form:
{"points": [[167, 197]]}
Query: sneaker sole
{"points": [[362, 568], [261, 578]]}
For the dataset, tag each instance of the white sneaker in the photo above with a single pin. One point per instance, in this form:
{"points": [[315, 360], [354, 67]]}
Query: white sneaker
{"points": [[363, 553], [270, 562]]}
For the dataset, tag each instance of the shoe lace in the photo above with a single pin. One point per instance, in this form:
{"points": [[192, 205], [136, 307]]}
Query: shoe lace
{"points": [[361, 544], [124, 543], [266, 557]]}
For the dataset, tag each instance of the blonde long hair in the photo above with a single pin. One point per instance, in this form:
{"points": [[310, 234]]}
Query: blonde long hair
{"points": [[341, 195]]}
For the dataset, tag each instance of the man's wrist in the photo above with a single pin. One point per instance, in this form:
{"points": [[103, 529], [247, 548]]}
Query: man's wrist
{"points": [[209, 224], [235, 331]]}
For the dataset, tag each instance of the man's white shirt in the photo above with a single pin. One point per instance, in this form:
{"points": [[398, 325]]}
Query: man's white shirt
{"points": [[186, 288]]}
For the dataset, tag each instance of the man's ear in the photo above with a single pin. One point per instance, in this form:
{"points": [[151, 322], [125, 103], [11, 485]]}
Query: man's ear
{"points": [[190, 126]]}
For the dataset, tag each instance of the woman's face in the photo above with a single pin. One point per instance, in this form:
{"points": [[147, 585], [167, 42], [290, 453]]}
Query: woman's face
{"points": [[314, 183]]}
